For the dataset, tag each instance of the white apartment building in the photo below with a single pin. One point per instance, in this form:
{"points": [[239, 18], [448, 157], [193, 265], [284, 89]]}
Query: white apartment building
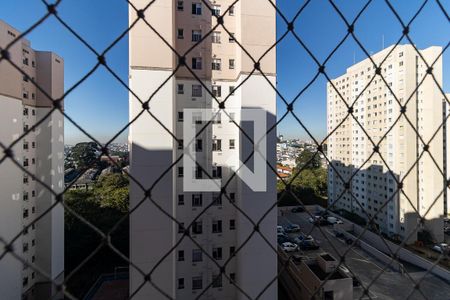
{"points": [[41, 153], [183, 271], [376, 109]]}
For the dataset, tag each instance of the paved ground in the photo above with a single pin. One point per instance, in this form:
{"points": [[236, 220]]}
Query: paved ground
{"points": [[389, 285]]}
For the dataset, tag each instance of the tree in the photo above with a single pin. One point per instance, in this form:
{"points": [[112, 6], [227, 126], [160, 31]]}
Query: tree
{"points": [[111, 191], [308, 160], [84, 155]]}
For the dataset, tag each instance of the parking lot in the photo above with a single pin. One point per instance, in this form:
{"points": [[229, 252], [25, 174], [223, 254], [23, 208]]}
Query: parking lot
{"points": [[389, 285]]}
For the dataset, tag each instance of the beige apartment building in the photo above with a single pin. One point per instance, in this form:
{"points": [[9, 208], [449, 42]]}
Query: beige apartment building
{"points": [[375, 108], [179, 267], [41, 153]]}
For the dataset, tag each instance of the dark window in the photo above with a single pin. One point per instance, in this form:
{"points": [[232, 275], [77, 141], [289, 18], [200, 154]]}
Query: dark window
{"points": [[217, 281], [197, 200], [196, 8], [232, 224], [181, 199], [197, 227], [217, 226], [180, 255], [197, 283], [180, 5], [217, 253], [197, 255], [180, 283]]}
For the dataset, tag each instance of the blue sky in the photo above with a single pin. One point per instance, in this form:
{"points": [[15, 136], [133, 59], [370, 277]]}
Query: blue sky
{"points": [[100, 104]]}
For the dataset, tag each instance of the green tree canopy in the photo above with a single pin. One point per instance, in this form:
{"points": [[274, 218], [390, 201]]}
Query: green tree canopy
{"points": [[308, 160], [84, 155], [111, 190]]}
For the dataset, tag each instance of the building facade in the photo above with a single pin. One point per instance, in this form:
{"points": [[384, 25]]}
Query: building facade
{"points": [[179, 267], [376, 110], [41, 153]]}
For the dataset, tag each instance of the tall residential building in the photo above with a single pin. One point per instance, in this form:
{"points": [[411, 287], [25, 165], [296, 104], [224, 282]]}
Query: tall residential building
{"points": [[446, 156], [181, 269], [350, 148], [40, 151]]}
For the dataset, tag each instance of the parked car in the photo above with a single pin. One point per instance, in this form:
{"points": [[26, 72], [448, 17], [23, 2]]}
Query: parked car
{"points": [[308, 245], [282, 239], [298, 209], [440, 248], [320, 222], [339, 235], [280, 229], [289, 247], [293, 228]]}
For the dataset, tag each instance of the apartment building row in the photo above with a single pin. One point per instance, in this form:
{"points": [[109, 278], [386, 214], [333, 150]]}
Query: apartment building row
{"points": [[40, 152], [401, 118]]}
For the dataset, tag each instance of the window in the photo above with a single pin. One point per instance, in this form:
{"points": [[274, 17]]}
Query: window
{"points": [[180, 144], [180, 116], [197, 255], [180, 89], [232, 251], [231, 90], [215, 37], [400, 63], [216, 64], [25, 95], [197, 200], [33, 64], [232, 116], [25, 213], [400, 54], [196, 35], [180, 255], [217, 91], [231, 63], [196, 8], [198, 173], [25, 281], [180, 171], [217, 118], [197, 227], [33, 112], [180, 283], [180, 33], [232, 197], [25, 196], [231, 38], [25, 78], [196, 90], [217, 281], [217, 145], [217, 226], [198, 145], [25, 146], [217, 172], [33, 145], [217, 253], [197, 283], [217, 199], [25, 162], [25, 61], [232, 224], [197, 63], [25, 247], [180, 5], [216, 10], [181, 228], [232, 277], [232, 145], [25, 111], [231, 11], [25, 179], [181, 199], [33, 96]]}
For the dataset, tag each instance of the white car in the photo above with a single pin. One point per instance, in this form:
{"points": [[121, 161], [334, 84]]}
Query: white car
{"points": [[280, 229], [289, 247]]}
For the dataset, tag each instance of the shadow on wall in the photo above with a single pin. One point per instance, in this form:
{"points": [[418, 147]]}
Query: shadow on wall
{"points": [[373, 196]]}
